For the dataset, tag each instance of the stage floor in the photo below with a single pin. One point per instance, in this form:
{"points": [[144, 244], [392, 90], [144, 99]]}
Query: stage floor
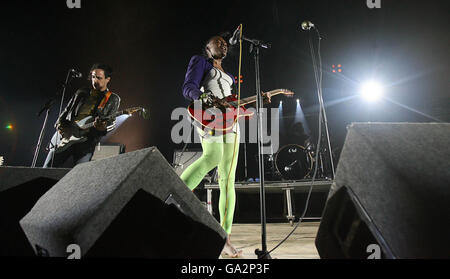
{"points": [[300, 245]]}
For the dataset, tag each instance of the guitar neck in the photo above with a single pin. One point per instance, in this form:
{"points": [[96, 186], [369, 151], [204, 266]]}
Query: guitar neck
{"points": [[252, 99], [91, 124]]}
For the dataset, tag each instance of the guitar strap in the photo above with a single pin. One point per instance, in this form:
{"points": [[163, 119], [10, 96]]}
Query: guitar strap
{"points": [[105, 100]]}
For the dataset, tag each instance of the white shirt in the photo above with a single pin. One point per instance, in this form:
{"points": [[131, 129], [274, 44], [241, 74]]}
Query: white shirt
{"points": [[217, 83]]}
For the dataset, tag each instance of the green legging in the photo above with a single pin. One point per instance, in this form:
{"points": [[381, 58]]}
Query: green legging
{"points": [[217, 152]]}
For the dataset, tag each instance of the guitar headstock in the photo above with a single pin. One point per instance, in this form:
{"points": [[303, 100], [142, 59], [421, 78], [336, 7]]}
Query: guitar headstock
{"points": [[285, 92], [142, 111]]}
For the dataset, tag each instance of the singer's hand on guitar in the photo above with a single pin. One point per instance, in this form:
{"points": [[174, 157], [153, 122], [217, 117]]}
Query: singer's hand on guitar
{"points": [[267, 97], [65, 129], [99, 125]]}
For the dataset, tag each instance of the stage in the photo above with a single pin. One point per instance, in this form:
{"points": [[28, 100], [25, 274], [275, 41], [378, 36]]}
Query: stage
{"points": [[283, 204], [300, 245]]}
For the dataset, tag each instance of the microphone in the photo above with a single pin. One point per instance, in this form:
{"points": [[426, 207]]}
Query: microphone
{"points": [[235, 38], [75, 73], [307, 25]]}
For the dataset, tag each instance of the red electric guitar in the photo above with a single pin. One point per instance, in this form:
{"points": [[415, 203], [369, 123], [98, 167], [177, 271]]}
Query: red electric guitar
{"points": [[221, 115]]}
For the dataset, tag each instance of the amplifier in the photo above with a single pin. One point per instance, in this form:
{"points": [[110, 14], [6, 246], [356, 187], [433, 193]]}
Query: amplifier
{"points": [[106, 151]]}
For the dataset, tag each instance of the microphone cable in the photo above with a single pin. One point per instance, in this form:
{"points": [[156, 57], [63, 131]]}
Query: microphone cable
{"points": [[235, 123]]}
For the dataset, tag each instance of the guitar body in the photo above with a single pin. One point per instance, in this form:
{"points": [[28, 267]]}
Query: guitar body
{"points": [[214, 119], [60, 144], [81, 128]]}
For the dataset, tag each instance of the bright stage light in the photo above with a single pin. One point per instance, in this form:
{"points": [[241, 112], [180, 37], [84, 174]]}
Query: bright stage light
{"points": [[300, 117], [371, 91]]}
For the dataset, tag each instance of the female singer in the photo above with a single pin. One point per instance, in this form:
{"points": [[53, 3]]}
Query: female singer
{"points": [[205, 77]]}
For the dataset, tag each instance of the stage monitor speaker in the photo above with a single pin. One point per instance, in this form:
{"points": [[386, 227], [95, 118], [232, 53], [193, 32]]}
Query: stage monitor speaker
{"points": [[20, 188], [131, 205], [391, 194]]}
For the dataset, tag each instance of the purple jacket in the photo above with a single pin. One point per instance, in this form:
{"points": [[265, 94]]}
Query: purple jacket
{"points": [[198, 67]]}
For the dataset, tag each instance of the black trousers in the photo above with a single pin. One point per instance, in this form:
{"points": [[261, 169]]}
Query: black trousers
{"points": [[79, 153]]}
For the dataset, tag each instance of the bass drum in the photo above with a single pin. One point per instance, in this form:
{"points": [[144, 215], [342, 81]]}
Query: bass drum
{"points": [[293, 162]]}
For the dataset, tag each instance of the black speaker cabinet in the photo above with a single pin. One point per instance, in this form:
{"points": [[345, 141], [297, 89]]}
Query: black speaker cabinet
{"points": [[391, 193], [132, 205], [20, 188]]}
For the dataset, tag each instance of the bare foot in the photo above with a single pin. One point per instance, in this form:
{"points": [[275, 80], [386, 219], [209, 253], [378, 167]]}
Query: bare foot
{"points": [[230, 251]]}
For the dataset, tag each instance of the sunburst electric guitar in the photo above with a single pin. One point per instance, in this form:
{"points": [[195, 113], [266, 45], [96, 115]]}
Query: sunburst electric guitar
{"points": [[210, 116], [79, 130]]}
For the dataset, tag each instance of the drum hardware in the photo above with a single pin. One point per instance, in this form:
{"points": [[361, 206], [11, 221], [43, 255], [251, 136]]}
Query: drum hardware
{"points": [[270, 171], [296, 162]]}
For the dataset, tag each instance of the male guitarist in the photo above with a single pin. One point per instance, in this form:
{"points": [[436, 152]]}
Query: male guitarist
{"points": [[97, 102]]}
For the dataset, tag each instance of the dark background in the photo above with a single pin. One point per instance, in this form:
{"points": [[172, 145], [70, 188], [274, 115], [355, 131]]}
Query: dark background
{"points": [[404, 45]]}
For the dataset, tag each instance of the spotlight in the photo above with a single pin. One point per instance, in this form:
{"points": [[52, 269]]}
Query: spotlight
{"points": [[300, 117], [9, 127], [338, 67], [371, 91]]}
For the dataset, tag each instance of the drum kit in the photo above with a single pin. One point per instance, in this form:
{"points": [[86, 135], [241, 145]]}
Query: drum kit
{"points": [[292, 162], [295, 162]]}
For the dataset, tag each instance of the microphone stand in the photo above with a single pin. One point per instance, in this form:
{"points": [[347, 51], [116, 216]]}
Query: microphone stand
{"points": [[255, 46], [47, 108], [245, 162], [322, 107]]}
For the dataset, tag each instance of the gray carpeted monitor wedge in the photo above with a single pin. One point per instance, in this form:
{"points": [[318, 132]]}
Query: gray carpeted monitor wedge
{"points": [[392, 187], [13, 176], [131, 205], [20, 189]]}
